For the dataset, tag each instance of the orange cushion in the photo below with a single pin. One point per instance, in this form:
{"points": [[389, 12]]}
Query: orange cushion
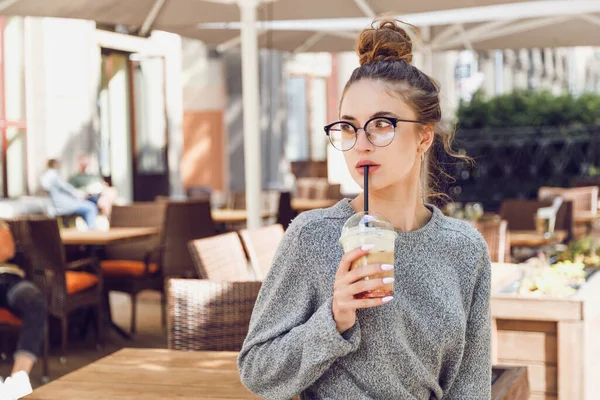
{"points": [[8, 318], [126, 268], [79, 281]]}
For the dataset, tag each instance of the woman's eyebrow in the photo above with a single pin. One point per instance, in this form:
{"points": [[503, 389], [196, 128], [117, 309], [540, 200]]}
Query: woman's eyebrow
{"points": [[348, 117], [383, 114]]}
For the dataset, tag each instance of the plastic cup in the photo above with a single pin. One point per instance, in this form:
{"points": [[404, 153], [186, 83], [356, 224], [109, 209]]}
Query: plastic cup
{"points": [[371, 229]]}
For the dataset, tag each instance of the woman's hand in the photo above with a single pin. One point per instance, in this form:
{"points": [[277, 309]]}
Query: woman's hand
{"points": [[348, 283]]}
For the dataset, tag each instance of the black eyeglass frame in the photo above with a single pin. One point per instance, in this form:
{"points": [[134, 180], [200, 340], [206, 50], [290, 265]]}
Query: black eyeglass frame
{"points": [[394, 121]]}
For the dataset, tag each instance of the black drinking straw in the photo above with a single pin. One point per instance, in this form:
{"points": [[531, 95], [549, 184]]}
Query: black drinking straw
{"points": [[366, 188]]}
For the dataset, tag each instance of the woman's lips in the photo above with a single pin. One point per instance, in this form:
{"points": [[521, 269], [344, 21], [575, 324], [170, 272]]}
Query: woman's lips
{"points": [[372, 169]]}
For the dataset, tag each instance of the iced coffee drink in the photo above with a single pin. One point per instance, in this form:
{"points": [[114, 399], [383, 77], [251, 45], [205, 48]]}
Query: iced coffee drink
{"points": [[371, 229]]}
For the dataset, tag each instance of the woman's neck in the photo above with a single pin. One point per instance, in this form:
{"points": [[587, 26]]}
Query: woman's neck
{"points": [[404, 210]]}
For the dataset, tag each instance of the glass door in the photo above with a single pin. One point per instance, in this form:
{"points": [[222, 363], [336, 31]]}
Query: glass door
{"points": [[150, 134]]}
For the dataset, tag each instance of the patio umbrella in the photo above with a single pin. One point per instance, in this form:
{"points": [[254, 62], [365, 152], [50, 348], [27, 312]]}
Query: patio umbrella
{"points": [[170, 15], [557, 31]]}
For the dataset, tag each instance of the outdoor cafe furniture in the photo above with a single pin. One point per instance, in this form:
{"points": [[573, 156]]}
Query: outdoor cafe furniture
{"points": [[534, 239], [233, 216], [302, 204], [10, 324], [520, 215], [135, 266], [184, 221], [494, 232], [585, 204], [556, 338], [261, 245], [151, 374], [157, 374], [69, 288]]}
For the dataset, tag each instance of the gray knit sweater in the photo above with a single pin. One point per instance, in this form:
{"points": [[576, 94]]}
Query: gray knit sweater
{"points": [[431, 342]]}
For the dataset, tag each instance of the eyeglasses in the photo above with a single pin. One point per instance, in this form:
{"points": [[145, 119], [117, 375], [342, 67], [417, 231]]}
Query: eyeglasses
{"points": [[380, 132]]}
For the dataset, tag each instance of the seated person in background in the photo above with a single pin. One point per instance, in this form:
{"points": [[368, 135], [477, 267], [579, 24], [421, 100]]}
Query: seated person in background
{"points": [[22, 298], [66, 199], [93, 185]]}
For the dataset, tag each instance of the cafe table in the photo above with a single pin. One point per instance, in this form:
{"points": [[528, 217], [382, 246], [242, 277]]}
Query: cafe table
{"points": [[534, 239], [71, 236], [151, 374], [301, 205], [233, 216]]}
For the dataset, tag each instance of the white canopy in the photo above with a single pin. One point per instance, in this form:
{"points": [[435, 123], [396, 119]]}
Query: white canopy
{"points": [[173, 15]]}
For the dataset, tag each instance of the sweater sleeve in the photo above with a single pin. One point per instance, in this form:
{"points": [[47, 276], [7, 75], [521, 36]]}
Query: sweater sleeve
{"points": [[474, 379], [292, 340]]}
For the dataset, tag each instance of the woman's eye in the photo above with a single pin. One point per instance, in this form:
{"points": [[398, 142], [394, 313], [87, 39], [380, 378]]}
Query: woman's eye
{"points": [[382, 123], [347, 127]]}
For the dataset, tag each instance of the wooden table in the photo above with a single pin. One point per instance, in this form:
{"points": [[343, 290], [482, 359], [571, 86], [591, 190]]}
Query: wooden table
{"points": [[311, 204], [229, 216], [151, 374], [534, 239], [555, 338], [70, 236]]}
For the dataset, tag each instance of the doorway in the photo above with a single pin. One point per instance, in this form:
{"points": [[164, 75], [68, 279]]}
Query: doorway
{"points": [[133, 141]]}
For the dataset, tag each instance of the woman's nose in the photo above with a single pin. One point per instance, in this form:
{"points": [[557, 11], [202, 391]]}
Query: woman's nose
{"points": [[362, 141]]}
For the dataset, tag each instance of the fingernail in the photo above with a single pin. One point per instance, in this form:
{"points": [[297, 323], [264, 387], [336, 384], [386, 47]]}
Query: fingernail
{"points": [[387, 267], [387, 299], [366, 247], [388, 280]]}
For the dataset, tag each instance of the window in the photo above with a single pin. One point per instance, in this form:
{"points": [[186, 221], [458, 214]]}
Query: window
{"points": [[13, 127]]}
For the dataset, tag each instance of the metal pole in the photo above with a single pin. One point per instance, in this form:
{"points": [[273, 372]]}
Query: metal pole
{"points": [[250, 101]]}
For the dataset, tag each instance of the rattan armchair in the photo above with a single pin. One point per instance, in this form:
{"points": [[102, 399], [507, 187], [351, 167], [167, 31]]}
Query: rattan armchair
{"points": [[220, 258], [212, 313], [134, 267], [261, 245], [70, 287], [207, 315], [496, 236]]}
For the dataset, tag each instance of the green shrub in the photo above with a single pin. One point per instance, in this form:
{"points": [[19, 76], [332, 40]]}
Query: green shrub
{"points": [[529, 108]]}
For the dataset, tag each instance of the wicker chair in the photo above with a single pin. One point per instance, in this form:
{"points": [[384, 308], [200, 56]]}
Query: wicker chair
{"points": [[208, 315], [220, 258], [9, 323], [261, 245], [495, 234], [184, 221], [133, 267], [69, 289], [520, 215]]}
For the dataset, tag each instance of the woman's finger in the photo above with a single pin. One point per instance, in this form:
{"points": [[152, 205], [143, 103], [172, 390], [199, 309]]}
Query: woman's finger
{"points": [[351, 256]]}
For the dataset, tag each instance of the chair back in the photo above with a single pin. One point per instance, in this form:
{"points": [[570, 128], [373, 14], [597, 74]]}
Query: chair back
{"points": [[220, 258], [184, 221], [207, 315], [48, 255], [261, 245], [520, 215], [495, 234], [584, 198], [199, 193], [285, 212], [136, 215]]}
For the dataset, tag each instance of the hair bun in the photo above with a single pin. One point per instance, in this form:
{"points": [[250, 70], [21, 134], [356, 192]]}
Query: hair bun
{"points": [[385, 40]]}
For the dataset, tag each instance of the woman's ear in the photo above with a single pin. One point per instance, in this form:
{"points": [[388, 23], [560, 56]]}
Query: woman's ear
{"points": [[426, 135]]}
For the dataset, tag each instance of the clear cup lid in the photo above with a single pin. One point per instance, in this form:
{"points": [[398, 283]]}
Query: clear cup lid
{"points": [[361, 222]]}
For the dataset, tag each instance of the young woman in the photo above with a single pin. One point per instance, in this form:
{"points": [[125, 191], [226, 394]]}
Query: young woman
{"points": [[309, 335]]}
